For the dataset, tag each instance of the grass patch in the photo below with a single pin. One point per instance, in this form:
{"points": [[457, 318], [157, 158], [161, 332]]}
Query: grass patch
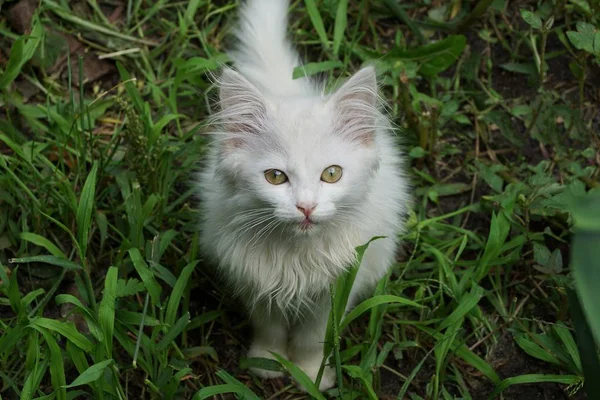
{"points": [[103, 293]]}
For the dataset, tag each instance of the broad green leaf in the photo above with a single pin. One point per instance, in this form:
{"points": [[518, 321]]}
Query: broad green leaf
{"points": [[541, 254], [43, 242], [584, 38], [85, 208], [532, 19], [317, 21], [177, 293], [300, 377], [313, 68], [106, 311], [533, 378], [92, 374], [341, 21]]}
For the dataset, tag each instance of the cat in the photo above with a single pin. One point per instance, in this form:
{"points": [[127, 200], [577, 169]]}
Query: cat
{"points": [[296, 179]]}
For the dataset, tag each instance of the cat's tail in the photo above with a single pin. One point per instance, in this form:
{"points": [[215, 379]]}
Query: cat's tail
{"points": [[263, 53]]}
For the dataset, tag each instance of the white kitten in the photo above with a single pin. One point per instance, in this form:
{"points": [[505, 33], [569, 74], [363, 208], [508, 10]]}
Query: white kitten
{"points": [[296, 180]]}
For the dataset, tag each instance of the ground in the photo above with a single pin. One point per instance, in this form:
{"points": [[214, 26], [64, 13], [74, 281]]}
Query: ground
{"points": [[104, 110]]}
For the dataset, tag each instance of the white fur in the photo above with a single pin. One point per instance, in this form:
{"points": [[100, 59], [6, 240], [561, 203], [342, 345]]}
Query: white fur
{"points": [[251, 228]]}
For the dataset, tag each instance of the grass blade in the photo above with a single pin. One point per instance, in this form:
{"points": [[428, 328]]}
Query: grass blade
{"points": [[533, 378], [146, 274], [300, 377], [247, 393], [106, 312], [52, 260], [588, 352], [33, 380], [465, 305], [177, 294], [212, 391], [313, 68], [21, 52], [92, 26], [585, 256], [174, 332], [57, 368], [92, 374], [317, 21], [43, 242], [84, 210], [232, 386], [341, 21], [374, 302], [65, 329], [467, 355]]}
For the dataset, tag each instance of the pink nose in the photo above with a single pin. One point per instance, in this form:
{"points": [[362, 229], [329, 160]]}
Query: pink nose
{"points": [[306, 209]]}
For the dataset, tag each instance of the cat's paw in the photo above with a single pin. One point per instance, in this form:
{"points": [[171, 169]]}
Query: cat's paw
{"points": [[259, 351], [312, 370]]}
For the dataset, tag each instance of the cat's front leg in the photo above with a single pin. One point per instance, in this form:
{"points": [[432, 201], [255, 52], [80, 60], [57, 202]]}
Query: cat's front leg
{"points": [[270, 335], [306, 346]]}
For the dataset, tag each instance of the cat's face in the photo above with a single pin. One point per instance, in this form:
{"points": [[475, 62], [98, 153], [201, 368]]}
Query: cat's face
{"points": [[303, 161]]}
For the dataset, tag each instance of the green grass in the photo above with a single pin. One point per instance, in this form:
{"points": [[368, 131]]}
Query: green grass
{"points": [[104, 293]]}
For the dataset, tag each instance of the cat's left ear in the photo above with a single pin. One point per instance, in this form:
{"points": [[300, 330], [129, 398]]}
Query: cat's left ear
{"points": [[355, 106], [243, 108]]}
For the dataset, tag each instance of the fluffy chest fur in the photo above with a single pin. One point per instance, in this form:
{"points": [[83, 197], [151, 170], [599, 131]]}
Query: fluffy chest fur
{"points": [[269, 261]]}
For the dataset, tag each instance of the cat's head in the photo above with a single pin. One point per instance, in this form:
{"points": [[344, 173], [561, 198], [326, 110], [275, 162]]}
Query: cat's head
{"points": [[304, 161]]}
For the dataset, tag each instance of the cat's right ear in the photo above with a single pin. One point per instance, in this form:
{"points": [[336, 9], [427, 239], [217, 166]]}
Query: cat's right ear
{"points": [[242, 106]]}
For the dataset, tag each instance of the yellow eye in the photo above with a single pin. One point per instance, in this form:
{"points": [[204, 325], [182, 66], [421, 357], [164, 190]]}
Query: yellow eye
{"points": [[332, 174], [275, 177]]}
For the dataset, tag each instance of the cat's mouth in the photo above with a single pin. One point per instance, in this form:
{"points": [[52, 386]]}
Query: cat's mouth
{"points": [[306, 224]]}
